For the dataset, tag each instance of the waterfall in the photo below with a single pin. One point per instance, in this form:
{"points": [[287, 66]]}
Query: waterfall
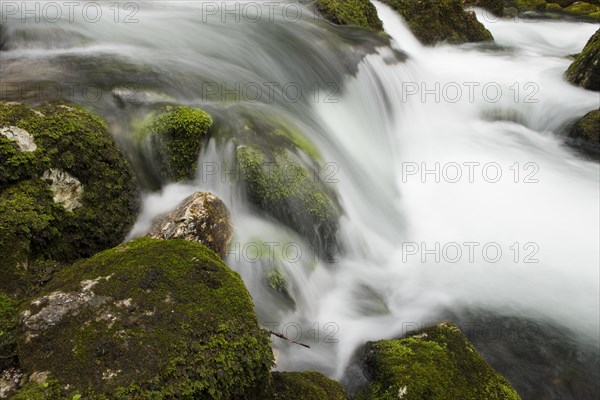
{"points": [[457, 189]]}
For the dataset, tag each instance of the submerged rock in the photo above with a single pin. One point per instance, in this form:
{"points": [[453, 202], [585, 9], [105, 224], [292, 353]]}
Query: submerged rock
{"points": [[147, 319], [585, 70], [278, 168], [433, 21], [307, 385], [65, 190], [350, 12], [436, 363], [175, 138], [201, 217]]}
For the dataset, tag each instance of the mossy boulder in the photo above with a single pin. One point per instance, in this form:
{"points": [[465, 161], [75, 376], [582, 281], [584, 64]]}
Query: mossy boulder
{"points": [[585, 70], [494, 6], [281, 185], [585, 133], [279, 170], [149, 319], [436, 363], [307, 385], [350, 12], [433, 21], [175, 137], [588, 10], [66, 191], [201, 217], [8, 326]]}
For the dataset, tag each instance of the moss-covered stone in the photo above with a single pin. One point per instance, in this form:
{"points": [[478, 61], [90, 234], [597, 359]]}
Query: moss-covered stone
{"points": [[8, 325], [436, 363], [149, 319], [175, 137], [433, 21], [282, 186], [307, 385], [585, 70], [278, 168], [587, 10], [494, 6], [350, 12], [585, 133], [65, 190]]}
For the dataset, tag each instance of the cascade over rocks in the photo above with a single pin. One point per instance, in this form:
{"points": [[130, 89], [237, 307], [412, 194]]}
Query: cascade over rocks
{"points": [[434, 21]]}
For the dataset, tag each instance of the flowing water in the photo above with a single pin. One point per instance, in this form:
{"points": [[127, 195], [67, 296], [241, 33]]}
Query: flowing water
{"points": [[503, 236]]}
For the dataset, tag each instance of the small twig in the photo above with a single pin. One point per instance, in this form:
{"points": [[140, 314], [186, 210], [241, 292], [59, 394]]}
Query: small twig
{"points": [[288, 339]]}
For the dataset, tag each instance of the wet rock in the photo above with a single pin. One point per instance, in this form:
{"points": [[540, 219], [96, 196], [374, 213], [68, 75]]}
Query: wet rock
{"points": [[585, 70], [201, 217], [150, 319], [436, 363]]}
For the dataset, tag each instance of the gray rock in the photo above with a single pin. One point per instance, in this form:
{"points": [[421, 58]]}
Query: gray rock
{"points": [[201, 217], [66, 188], [23, 138]]}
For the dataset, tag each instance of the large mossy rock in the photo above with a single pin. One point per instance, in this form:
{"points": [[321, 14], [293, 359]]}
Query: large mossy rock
{"points": [[588, 10], [66, 191], [307, 385], [175, 137], [149, 319], [201, 217], [350, 12], [585, 133], [585, 70], [279, 184], [436, 363], [494, 6], [433, 21], [8, 326], [277, 167]]}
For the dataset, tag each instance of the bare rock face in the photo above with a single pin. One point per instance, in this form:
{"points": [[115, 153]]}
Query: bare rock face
{"points": [[66, 188], [202, 218], [23, 138]]}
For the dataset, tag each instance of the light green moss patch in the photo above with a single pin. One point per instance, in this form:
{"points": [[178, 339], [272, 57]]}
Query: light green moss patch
{"points": [[350, 12], [307, 385], [437, 363], [176, 137]]}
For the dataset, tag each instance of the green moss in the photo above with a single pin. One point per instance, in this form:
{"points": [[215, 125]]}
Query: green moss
{"points": [[176, 136], [276, 280], [282, 186], [34, 227], [172, 306], [495, 6], [585, 70], [50, 390], [531, 5], [435, 363], [8, 325], [433, 21], [582, 8], [307, 385], [350, 12], [585, 133]]}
